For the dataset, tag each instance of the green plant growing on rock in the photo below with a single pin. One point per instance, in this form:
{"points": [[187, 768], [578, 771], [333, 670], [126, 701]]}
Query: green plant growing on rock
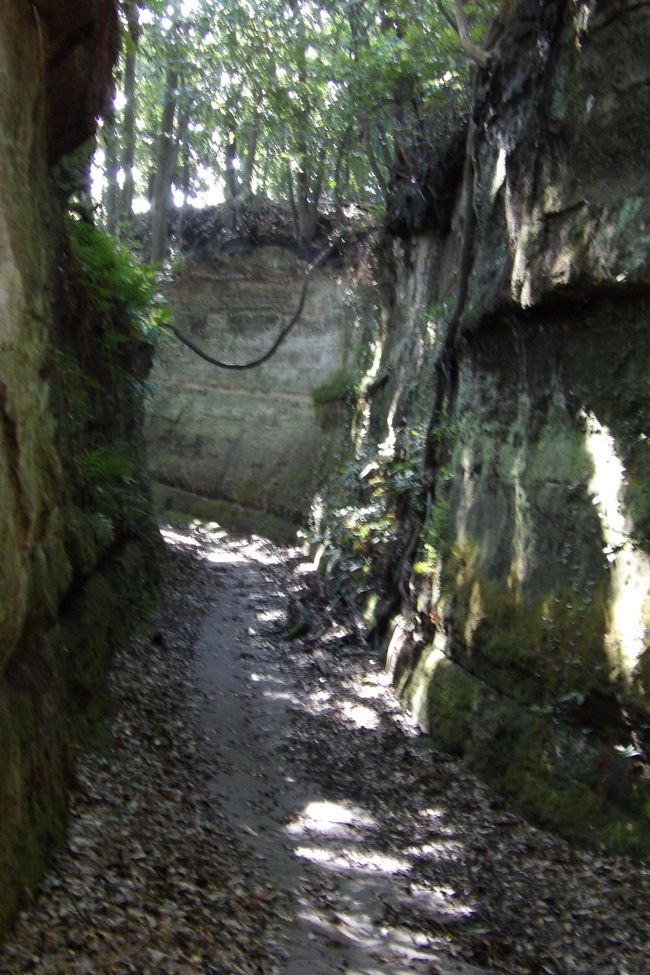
{"points": [[113, 280], [435, 537], [115, 312], [363, 518], [115, 491]]}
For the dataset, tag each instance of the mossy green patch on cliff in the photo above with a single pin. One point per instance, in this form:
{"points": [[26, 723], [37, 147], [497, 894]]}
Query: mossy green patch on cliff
{"points": [[113, 280], [557, 775], [536, 650], [442, 698], [338, 388], [84, 590], [34, 781]]}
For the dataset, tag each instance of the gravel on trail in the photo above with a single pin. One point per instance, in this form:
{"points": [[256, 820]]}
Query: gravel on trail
{"points": [[264, 806]]}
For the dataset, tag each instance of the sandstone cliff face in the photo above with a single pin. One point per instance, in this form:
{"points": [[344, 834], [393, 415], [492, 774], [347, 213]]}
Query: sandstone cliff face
{"points": [[63, 584], [253, 447], [528, 651]]}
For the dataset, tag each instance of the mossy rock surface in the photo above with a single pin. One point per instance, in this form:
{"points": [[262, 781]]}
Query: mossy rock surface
{"points": [[557, 776]]}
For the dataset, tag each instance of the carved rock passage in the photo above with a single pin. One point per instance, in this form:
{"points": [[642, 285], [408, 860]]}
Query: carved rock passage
{"points": [[255, 439], [534, 658]]}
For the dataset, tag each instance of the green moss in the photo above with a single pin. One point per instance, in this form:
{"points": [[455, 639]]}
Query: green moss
{"points": [[370, 609], [520, 670], [33, 784], [443, 698], [54, 700], [553, 774], [555, 777], [339, 388], [537, 650]]}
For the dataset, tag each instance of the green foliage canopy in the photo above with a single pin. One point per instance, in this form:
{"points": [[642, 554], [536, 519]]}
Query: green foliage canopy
{"points": [[307, 100]]}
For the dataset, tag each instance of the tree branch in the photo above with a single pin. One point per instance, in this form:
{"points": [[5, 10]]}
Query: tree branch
{"points": [[471, 49], [445, 13]]}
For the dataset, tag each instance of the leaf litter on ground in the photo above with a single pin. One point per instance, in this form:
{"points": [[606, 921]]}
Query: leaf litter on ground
{"points": [[154, 880], [151, 880]]}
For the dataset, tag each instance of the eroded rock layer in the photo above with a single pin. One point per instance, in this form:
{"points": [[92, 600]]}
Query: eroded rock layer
{"points": [[255, 445]]}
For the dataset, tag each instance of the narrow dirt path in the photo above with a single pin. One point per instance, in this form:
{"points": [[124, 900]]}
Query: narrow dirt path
{"points": [[316, 847], [265, 807]]}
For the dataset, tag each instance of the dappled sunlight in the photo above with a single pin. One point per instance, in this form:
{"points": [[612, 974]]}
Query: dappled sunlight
{"points": [[606, 484], [359, 715], [352, 844], [353, 859], [374, 684], [279, 696], [256, 549], [176, 538], [320, 699], [343, 829], [442, 902], [349, 875], [323, 816], [441, 849], [269, 615], [395, 861], [400, 636], [630, 567], [365, 403], [272, 688], [224, 558], [431, 813], [432, 658]]}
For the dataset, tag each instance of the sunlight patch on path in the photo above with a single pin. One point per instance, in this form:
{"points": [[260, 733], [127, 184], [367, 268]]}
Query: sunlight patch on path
{"points": [[359, 715]]}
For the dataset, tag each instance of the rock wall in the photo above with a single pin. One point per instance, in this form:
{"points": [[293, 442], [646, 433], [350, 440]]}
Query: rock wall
{"points": [[515, 600], [253, 446], [71, 574]]}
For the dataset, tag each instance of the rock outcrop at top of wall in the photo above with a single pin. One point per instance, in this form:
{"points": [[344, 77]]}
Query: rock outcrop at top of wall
{"points": [[72, 571]]}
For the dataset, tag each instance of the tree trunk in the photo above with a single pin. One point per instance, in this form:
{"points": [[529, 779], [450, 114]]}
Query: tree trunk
{"points": [[248, 163], [341, 170], [111, 191], [128, 124], [164, 170], [373, 162], [185, 172], [307, 190], [471, 49], [231, 178], [291, 193], [128, 139]]}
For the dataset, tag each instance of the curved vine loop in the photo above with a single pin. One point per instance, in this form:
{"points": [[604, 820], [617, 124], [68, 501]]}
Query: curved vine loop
{"points": [[324, 254]]}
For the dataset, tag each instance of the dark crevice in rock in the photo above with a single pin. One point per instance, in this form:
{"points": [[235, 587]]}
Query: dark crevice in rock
{"points": [[12, 454]]}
